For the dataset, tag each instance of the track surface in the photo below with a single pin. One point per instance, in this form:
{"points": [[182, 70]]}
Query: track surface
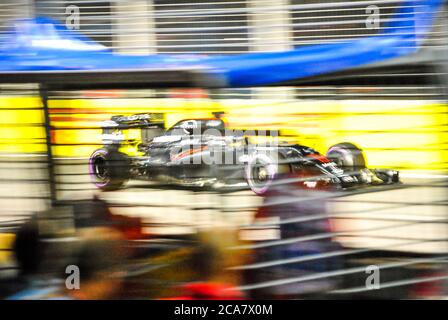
{"points": [[387, 219]]}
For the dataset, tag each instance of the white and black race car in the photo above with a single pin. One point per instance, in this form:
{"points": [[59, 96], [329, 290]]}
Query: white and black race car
{"points": [[203, 152]]}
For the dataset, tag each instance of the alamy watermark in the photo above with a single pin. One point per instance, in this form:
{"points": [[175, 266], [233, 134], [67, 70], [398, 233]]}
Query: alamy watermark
{"points": [[373, 19], [373, 280], [73, 17], [203, 144], [73, 280]]}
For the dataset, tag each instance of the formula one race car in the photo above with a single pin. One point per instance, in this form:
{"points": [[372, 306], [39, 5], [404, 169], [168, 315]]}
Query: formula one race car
{"points": [[203, 152]]}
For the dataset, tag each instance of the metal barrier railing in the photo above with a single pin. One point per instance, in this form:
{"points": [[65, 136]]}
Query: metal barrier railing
{"points": [[215, 27], [401, 229], [289, 245]]}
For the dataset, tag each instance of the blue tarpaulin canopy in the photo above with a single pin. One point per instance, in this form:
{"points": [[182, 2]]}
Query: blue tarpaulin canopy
{"points": [[43, 51]]}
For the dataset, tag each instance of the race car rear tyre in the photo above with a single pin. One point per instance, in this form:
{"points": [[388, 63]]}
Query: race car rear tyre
{"points": [[261, 170], [347, 156], [109, 169]]}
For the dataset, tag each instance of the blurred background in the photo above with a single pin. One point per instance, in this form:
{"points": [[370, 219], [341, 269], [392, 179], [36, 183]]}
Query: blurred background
{"points": [[148, 241]]}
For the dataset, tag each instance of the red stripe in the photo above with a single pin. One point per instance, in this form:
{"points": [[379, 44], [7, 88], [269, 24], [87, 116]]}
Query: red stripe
{"points": [[187, 153], [319, 157]]}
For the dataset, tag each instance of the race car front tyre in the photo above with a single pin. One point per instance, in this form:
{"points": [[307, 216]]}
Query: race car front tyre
{"points": [[347, 156], [261, 170], [109, 169]]}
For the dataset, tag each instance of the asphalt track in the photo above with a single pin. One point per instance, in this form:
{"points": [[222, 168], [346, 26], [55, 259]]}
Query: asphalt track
{"points": [[411, 217]]}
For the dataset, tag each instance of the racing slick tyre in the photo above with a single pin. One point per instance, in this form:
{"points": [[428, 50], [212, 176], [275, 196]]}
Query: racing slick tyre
{"points": [[347, 156], [261, 170], [109, 169]]}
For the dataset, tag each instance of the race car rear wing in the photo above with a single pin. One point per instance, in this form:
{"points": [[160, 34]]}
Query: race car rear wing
{"points": [[135, 121]]}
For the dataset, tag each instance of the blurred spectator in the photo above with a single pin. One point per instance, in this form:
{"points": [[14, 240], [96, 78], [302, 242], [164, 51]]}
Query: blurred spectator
{"points": [[299, 215], [97, 213], [29, 252], [101, 274], [208, 263], [28, 249], [44, 248]]}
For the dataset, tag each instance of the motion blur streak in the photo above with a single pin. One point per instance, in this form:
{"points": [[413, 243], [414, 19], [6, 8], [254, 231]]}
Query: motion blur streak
{"points": [[166, 240]]}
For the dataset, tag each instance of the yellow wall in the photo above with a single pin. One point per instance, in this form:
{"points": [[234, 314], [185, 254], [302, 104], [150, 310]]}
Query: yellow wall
{"points": [[6, 242], [402, 134], [21, 127]]}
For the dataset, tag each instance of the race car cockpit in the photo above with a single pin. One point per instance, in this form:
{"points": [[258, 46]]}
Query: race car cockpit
{"points": [[198, 127]]}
